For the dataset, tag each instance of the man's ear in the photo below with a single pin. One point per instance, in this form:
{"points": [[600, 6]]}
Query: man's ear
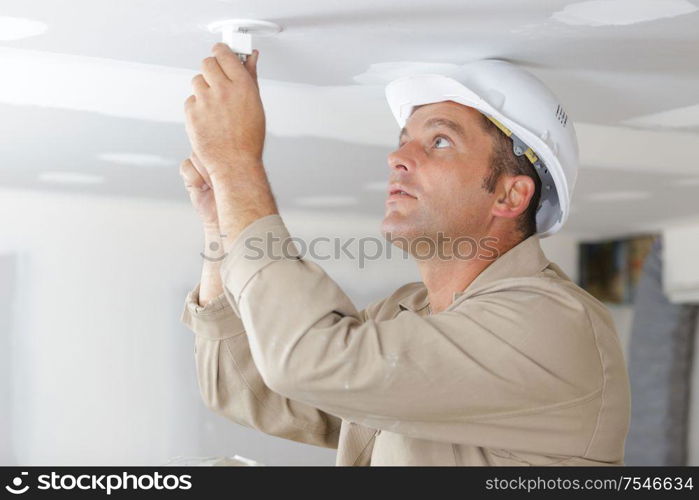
{"points": [[514, 194]]}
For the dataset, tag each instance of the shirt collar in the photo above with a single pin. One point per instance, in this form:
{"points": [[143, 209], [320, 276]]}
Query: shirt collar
{"points": [[416, 301], [524, 259]]}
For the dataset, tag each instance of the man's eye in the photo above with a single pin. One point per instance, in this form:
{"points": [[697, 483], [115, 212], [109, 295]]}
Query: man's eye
{"points": [[441, 142]]}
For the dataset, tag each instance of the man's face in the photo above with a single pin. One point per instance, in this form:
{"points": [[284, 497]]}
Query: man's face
{"points": [[442, 159]]}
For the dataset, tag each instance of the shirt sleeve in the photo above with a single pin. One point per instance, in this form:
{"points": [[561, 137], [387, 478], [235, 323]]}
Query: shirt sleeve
{"points": [[494, 370], [231, 386]]}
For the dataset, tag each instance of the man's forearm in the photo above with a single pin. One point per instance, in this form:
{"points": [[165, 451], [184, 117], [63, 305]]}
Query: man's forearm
{"points": [[243, 195], [210, 285]]}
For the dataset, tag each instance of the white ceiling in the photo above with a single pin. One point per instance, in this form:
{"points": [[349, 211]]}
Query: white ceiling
{"points": [[94, 103]]}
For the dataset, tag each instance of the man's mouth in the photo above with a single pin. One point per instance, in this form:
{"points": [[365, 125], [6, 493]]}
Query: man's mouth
{"points": [[396, 191]]}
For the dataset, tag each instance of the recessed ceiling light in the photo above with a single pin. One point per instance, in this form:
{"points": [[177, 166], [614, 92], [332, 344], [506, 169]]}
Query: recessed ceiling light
{"points": [[70, 178], [376, 186], [326, 201], [16, 28], [145, 160], [617, 196]]}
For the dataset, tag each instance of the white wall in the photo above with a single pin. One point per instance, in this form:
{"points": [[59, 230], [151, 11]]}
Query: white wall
{"points": [[680, 269], [102, 369]]}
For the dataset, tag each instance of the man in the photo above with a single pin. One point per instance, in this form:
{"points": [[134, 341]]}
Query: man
{"points": [[498, 359]]}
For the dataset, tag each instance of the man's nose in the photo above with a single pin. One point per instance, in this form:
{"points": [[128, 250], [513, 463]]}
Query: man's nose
{"points": [[403, 158]]}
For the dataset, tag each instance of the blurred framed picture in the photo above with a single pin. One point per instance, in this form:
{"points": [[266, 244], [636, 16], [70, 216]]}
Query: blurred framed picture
{"points": [[610, 269]]}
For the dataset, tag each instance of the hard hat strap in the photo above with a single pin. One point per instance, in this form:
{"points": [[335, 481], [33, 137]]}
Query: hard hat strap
{"points": [[519, 147]]}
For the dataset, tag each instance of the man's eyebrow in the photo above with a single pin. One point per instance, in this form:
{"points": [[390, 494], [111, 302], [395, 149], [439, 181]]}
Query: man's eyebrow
{"points": [[437, 122], [444, 122]]}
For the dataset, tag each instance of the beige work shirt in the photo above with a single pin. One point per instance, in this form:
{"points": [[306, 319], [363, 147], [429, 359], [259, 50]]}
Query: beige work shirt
{"points": [[523, 368]]}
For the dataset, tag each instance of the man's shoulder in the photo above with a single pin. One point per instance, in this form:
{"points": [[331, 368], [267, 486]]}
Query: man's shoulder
{"points": [[550, 283], [545, 296]]}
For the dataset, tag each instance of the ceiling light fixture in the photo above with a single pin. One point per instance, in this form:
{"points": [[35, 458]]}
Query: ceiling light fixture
{"points": [[237, 33]]}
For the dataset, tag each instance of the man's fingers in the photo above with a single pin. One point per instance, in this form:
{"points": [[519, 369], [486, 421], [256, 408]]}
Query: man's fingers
{"points": [[228, 61], [225, 65], [192, 178], [199, 85], [200, 168], [189, 103], [212, 72]]}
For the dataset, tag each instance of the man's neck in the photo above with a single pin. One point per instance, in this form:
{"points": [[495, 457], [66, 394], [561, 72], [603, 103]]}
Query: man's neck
{"points": [[444, 277]]}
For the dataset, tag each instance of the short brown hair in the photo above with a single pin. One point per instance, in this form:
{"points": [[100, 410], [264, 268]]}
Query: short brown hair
{"points": [[504, 161]]}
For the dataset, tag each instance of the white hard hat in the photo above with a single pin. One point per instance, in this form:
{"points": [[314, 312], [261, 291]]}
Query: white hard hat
{"points": [[522, 107]]}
